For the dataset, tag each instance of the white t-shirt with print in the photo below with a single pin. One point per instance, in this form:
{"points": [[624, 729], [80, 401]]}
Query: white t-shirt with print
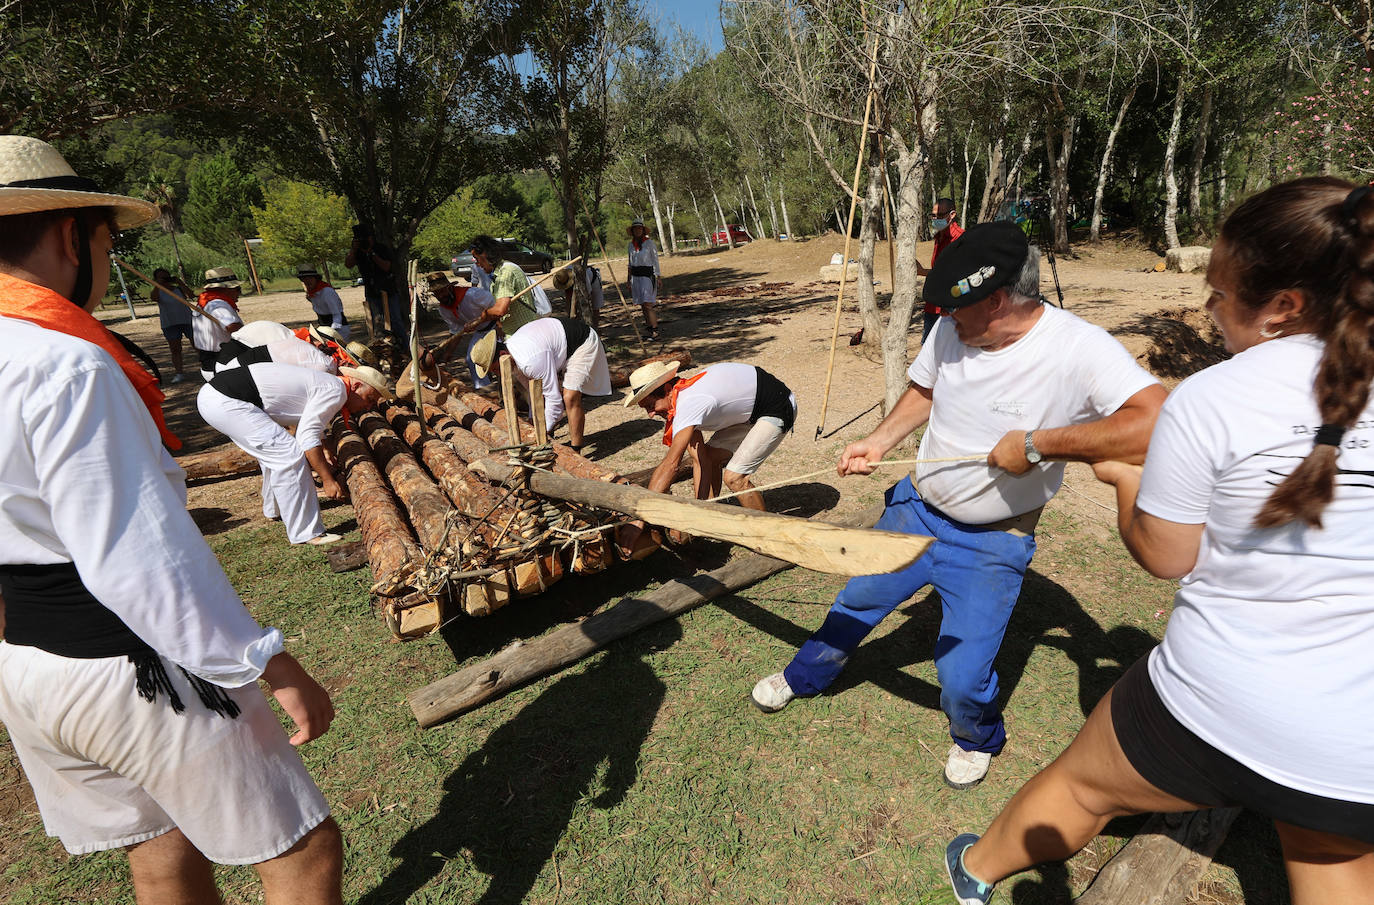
{"points": [[1267, 655], [721, 399], [1063, 371]]}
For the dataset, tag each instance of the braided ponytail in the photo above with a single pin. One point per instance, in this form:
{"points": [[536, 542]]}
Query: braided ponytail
{"points": [[1317, 236]]}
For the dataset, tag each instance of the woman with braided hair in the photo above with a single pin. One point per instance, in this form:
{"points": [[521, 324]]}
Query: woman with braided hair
{"points": [[1258, 492]]}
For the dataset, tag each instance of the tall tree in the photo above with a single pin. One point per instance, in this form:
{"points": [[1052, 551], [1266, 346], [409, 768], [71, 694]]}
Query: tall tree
{"points": [[300, 224], [219, 204]]}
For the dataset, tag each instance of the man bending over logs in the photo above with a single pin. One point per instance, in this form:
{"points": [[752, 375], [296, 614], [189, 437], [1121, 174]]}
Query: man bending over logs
{"points": [[129, 668], [747, 410], [566, 355], [1037, 386], [253, 404]]}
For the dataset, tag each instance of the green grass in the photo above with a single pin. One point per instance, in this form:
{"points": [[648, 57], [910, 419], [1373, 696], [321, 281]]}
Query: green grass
{"points": [[642, 775]]}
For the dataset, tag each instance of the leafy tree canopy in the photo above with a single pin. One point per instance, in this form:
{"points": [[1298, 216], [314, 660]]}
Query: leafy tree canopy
{"points": [[301, 224]]}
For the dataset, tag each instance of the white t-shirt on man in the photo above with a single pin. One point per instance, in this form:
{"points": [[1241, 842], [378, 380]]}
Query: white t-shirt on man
{"points": [[724, 397], [1063, 371], [1267, 653], [210, 332]]}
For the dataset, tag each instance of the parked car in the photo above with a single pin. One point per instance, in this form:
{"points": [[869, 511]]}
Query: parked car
{"points": [[739, 234], [529, 259]]}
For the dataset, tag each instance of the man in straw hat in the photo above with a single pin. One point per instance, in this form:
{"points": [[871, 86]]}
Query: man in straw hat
{"points": [[461, 305], [129, 667], [509, 309], [567, 356], [1035, 385], [747, 409], [646, 282], [254, 404], [219, 302], [324, 301]]}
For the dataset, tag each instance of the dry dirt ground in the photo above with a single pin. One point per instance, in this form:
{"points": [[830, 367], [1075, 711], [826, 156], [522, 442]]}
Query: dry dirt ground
{"points": [[763, 303]]}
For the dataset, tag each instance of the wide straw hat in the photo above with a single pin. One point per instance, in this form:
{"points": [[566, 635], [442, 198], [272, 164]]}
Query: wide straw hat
{"points": [[638, 221], [333, 336], [260, 333], [306, 270], [484, 353], [647, 378], [35, 177], [438, 279], [362, 353], [221, 278], [563, 280], [370, 376]]}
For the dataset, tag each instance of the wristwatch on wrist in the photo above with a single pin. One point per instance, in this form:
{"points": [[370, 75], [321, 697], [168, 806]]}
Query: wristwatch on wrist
{"points": [[1033, 455]]}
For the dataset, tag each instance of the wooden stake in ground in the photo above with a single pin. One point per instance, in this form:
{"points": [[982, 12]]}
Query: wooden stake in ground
{"points": [[820, 546], [606, 259], [849, 232], [470, 688], [508, 399], [541, 434]]}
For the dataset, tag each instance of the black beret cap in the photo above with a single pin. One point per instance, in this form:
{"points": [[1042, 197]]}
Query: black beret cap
{"points": [[975, 265]]}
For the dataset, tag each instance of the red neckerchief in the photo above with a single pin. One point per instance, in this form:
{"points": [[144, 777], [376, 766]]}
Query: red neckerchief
{"points": [[678, 387], [942, 240], [209, 295], [639, 243], [318, 286], [303, 334], [39, 305], [459, 293]]}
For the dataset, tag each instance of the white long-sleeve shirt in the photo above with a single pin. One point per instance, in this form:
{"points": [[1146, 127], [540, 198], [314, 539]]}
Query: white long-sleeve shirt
{"points": [[291, 351], [208, 333], [645, 256], [326, 301], [84, 478], [299, 397], [475, 301]]}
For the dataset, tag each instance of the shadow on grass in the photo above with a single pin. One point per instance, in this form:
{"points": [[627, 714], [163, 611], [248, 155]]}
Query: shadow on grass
{"points": [[509, 803]]}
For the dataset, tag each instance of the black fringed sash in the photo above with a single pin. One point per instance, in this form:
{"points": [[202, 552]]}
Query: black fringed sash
{"points": [[48, 607]]}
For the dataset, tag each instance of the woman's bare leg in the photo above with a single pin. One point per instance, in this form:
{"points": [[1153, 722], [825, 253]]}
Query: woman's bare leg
{"points": [[1324, 868]]}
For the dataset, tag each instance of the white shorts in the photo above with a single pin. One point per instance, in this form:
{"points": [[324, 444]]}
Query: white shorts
{"points": [[110, 769], [750, 443], [644, 290], [586, 370]]}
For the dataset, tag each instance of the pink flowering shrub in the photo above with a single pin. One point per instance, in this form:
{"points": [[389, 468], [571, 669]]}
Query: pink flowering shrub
{"points": [[1335, 124]]}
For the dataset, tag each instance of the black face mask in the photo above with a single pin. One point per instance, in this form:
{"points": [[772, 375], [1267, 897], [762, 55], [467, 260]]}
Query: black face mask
{"points": [[81, 292]]}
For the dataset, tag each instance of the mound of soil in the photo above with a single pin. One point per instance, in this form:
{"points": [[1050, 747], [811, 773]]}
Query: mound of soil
{"points": [[1183, 341]]}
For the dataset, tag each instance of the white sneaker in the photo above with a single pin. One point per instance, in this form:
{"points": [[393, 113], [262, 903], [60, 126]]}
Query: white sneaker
{"points": [[772, 693], [178, 377], [965, 769], [322, 540]]}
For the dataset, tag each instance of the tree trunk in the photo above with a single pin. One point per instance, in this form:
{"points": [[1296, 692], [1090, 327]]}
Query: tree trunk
{"points": [[218, 463], [729, 239], [754, 205], [1170, 180], [653, 202], [428, 507], [996, 181], [706, 236], [1060, 129], [772, 205], [672, 230], [1163, 862], [1105, 168], [872, 212], [782, 202], [391, 549], [513, 667], [1204, 128], [968, 173], [1014, 174], [912, 169]]}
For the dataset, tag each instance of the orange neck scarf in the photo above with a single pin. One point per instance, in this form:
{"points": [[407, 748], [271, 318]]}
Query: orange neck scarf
{"points": [[210, 295], [672, 405], [318, 286], [38, 305], [639, 243]]}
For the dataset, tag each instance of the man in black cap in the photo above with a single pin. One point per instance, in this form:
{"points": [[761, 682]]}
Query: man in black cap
{"points": [[1038, 387]]}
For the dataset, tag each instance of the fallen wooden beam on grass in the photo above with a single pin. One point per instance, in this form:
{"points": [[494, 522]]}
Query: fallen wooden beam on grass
{"points": [[820, 546], [480, 683], [347, 557], [1164, 862], [220, 463]]}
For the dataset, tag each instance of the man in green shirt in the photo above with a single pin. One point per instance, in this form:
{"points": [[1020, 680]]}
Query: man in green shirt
{"points": [[507, 281]]}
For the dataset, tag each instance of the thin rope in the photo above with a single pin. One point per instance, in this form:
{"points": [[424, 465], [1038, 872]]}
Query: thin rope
{"points": [[831, 469]]}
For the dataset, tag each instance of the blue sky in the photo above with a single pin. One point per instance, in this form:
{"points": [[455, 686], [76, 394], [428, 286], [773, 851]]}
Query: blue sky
{"points": [[701, 17]]}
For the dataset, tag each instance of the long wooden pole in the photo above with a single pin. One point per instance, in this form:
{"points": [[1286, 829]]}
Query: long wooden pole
{"points": [[849, 229], [152, 282], [820, 546], [606, 258], [517, 665], [252, 268]]}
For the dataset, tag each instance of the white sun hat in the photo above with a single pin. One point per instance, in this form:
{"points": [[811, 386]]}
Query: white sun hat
{"points": [[647, 378], [34, 177], [372, 377]]}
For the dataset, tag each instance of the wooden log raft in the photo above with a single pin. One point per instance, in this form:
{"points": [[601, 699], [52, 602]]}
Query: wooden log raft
{"points": [[816, 545], [474, 686], [391, 548]]}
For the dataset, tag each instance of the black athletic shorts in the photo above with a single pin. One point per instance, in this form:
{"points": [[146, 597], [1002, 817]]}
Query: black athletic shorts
{"points": [[1174, 760]]}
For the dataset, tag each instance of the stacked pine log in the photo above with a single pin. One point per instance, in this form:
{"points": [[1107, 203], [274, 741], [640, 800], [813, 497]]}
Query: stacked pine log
{"points": [[442, 541]]}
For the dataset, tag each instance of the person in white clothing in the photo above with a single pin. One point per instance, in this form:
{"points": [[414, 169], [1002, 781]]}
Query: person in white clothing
{"points": [[284, 351], [1257, 494], [253, 404], [646, 281], [747, 410], [1020, 387], [260, 333], [324, 301], [219, 303], [129, 669], [567, 356], [459, 305]]}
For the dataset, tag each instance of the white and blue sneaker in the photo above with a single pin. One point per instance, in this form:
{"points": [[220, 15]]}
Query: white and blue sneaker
{"points": [[966, 889]]}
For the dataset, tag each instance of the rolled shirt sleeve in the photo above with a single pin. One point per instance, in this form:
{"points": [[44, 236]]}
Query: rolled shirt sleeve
{"points": [[116, 509], [323, 400]]}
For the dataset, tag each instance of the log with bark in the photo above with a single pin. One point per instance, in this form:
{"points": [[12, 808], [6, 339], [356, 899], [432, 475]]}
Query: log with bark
{"points": [[1164, 861], [820, 546], [219, 463], [476, 685], [429, 509], [468, 493], [392, 549]]}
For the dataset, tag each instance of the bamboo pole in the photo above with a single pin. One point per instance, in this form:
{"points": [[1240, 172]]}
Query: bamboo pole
{"points": [[849, 230], [152, 282], [606, 259], [252, 268]]}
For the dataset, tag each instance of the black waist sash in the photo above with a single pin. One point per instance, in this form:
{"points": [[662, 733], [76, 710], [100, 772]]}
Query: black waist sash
{"points": [[238, 383], [575, 333], [641, 270], [773, 399], [242, 354], [49, 607], [327, 320]]}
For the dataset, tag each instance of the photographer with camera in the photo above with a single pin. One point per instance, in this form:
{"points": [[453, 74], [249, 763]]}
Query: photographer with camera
{"points": [[373, 262]]}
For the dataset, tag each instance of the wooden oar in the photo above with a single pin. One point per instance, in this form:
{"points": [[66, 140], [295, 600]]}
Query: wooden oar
{"points": [[819, 546]]}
